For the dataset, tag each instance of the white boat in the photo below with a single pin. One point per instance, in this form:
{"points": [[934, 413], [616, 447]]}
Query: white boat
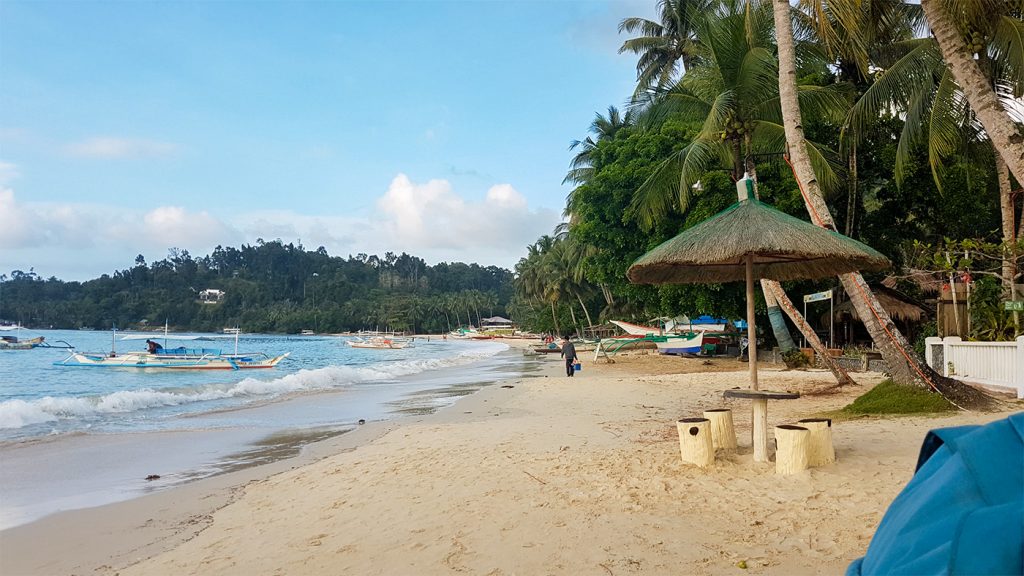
{"points": [[636, 329], [164, 357], [380, 343], [307, 333], [680, 343], [232, 331]]}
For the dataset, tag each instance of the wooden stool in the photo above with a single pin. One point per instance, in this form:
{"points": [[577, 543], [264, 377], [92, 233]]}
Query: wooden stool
{"points": [[819, 450], [695, 444], [791, 448], [723, 436]]}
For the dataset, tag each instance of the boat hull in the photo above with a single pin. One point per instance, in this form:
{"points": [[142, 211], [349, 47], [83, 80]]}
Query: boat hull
{"points": [[169, 362], [688, 344], [379, 344]]}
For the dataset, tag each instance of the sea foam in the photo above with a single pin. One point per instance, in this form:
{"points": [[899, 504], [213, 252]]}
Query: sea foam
{"points": [[20, 413]]}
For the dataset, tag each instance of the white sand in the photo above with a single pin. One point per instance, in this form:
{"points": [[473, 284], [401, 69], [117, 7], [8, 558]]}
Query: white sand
{"points": [[553, 476]]}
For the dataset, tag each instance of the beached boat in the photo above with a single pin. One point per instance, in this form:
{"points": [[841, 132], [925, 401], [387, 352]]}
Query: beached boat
{"points": [[380, 343], [177, 358], [680, 344]]}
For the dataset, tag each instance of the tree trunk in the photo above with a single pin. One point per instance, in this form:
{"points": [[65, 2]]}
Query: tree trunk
{"points": [[554, 318], [1009, 271], [777, 320], [1000, 128], [842, 377], [589, 321], [851, 194], [904, 366]]}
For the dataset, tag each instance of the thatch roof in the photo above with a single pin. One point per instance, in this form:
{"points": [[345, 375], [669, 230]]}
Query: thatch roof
{"points": [[784, 248], [897, 304], [927, 282]]}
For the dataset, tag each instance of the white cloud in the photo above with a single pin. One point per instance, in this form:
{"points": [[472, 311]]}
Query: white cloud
{"points": [[430, 220], [112, 148], [67, 229]]}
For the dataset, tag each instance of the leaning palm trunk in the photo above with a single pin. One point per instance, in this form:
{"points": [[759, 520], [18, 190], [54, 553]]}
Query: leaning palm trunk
{"points": [[554, 318], [904, 365], [784, 303], [1005, 137], [585, 312], [776, 319]]}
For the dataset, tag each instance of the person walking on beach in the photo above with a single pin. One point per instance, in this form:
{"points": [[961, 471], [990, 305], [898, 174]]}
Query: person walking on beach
{"points": [[569, 353]]}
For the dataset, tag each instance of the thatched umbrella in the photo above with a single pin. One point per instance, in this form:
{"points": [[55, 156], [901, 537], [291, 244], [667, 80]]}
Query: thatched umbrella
{"points": [[751, 240]]}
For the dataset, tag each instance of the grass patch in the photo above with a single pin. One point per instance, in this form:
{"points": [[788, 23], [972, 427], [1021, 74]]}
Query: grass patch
{"points": [[891, 398]]}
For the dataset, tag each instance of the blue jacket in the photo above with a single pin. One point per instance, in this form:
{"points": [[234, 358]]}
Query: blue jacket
{"points": [[962, 512]]}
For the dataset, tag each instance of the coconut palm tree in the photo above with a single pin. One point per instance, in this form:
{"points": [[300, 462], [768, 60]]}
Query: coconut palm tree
{"points": [[903, 364], [666, 48], [978, 20], [732, 87], [603, 128]]}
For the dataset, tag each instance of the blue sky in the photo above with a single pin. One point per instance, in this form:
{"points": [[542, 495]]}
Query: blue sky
{"points": [[436, 128]]}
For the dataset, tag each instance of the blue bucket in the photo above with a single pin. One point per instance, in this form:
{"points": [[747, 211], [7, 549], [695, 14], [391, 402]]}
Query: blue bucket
{"points": [[577, 367]]}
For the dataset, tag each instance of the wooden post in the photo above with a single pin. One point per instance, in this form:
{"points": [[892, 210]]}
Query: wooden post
{"points": [[820, 450], [751, 330], [695, 441], [792, 443], [760, 429], [723, 436]]}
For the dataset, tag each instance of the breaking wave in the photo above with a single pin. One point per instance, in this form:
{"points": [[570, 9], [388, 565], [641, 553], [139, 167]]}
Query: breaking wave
{"points": [[20, 413]]}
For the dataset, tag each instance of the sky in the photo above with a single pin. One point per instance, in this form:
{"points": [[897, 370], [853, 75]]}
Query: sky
{"points": [[440, 129]]}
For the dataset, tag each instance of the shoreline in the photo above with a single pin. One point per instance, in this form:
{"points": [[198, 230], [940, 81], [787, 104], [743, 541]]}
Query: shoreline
{"points": [[553, 475], [49, 474], [122, 532]]}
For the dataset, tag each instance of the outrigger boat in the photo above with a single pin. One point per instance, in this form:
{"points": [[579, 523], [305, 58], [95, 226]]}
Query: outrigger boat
{"points": [[15, 343], [379, 342], [177, 358]]}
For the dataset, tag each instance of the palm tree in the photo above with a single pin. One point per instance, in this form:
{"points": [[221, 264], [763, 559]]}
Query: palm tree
{"points": [[667, 47], [732, 87], [981, 19], [903, 364], [603, 128]]}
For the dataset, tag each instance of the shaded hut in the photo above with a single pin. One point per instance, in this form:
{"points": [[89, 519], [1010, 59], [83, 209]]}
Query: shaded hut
{"points": [[906, 312]]}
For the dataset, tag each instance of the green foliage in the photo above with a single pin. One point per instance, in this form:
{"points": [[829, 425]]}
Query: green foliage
{"points": [[891, 398], [269, 287], [795, 358]]}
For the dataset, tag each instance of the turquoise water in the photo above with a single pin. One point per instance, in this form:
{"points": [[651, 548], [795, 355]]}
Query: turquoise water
{"points": [[38, 398]]}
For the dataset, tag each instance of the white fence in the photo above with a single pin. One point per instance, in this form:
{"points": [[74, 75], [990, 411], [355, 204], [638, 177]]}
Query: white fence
{"points": [[988, 363]]}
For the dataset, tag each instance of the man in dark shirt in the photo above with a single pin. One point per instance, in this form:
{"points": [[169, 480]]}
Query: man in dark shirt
{"points": [[569, 353]]}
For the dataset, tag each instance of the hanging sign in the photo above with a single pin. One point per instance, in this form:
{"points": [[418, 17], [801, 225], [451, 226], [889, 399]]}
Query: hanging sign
{"points": [[826, 295], [1014, 305]]}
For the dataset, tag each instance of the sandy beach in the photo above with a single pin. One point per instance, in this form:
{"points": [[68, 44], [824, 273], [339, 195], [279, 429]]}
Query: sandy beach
{"points": [[538, 475]]}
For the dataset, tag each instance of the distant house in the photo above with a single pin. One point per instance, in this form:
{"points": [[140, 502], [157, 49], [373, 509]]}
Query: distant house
{"points": [[497, 324], [211, 296]]}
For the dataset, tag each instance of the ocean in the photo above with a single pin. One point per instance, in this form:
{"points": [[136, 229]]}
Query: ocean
{"points": [[74, 437]]}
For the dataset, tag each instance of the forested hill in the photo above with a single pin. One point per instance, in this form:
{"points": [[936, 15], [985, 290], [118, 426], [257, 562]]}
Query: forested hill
{"points": [[268, 287]]}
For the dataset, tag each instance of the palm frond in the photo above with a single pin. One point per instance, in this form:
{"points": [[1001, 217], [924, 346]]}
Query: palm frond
{"points": [[1007, 49], [893, 89]]}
